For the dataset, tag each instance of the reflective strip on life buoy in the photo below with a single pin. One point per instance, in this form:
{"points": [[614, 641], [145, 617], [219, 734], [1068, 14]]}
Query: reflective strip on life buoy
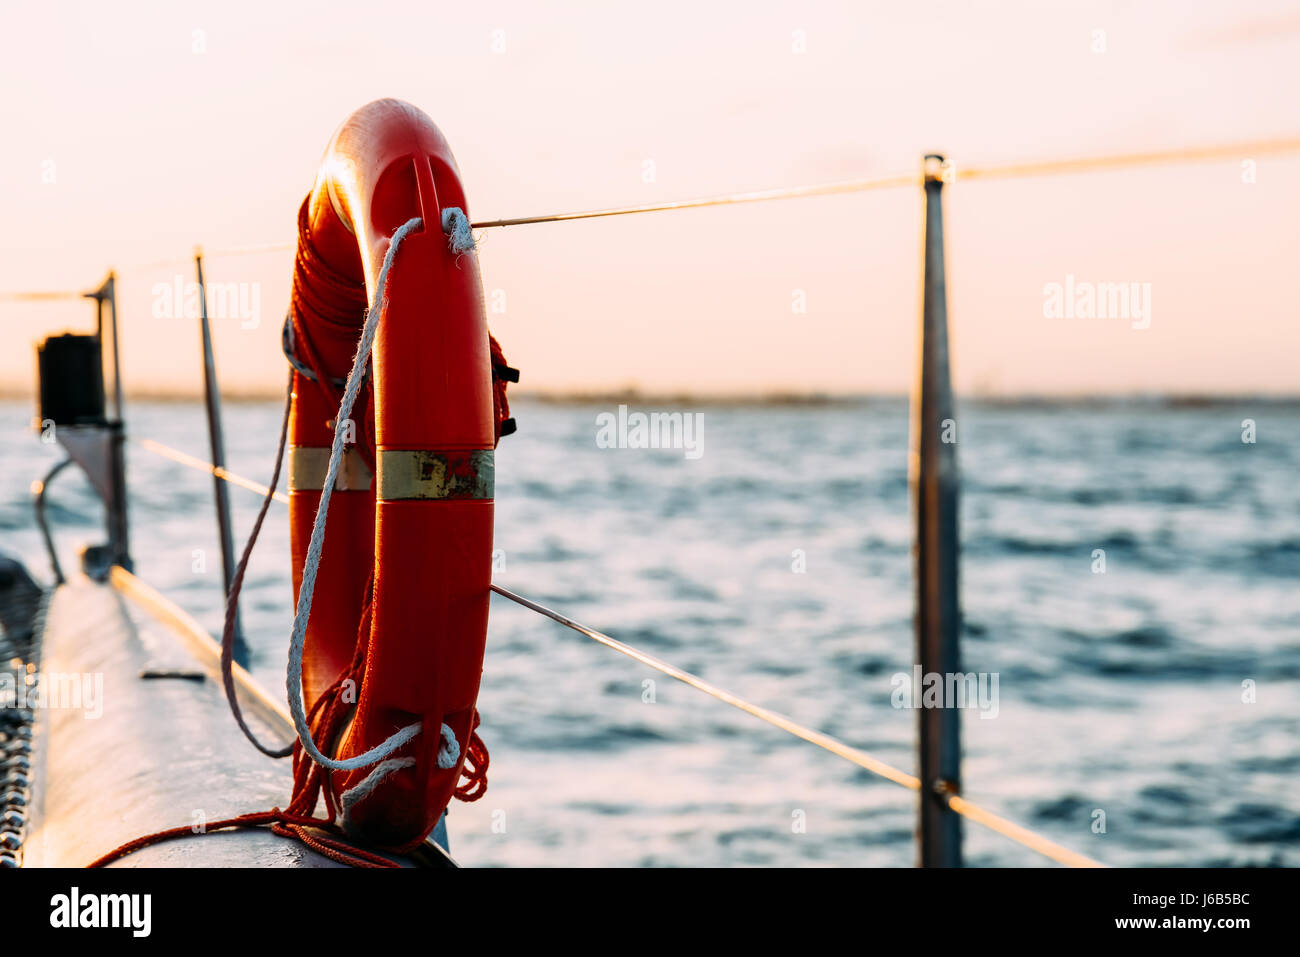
{"points": [[308, 466], [409, 474]]}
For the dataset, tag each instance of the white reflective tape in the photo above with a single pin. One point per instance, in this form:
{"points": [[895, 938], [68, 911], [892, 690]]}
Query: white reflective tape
{"points": [[309, 465]]}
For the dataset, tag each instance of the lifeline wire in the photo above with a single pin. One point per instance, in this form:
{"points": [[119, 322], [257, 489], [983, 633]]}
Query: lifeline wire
{"points": [[1247, 149], [1196, 154], [1043, 168], [193, 462], [958, 805], [52, 296]]}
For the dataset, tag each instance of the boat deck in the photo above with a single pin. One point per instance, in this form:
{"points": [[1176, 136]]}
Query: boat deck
{"points": [[135, 736]]}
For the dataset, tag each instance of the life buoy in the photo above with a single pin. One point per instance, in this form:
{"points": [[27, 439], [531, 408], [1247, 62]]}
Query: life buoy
{"points": [[400, 610]]}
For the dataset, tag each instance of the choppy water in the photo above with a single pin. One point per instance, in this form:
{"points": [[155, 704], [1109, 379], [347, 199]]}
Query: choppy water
{"points": [[1119, 691]]}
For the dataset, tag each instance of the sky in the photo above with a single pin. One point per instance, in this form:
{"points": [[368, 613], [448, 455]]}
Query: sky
{"points": [[136, 132]]}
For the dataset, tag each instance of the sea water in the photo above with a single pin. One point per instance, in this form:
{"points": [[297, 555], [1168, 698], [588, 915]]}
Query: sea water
{"points": [[1129, 575]]}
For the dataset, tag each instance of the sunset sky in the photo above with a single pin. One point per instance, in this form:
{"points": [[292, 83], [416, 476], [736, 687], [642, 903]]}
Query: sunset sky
{"points": [[132, 137]]}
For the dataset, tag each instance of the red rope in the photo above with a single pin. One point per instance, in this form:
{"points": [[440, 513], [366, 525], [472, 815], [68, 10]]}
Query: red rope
{"points": [[344, 305], [284, 823], [327, 718], [474, 770], [338, 851], [318, 288]]}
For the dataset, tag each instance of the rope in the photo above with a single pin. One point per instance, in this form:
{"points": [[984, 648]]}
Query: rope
{"points": [[474, 770], [359, 792], [958, 805], [321, 295], [282, 823], [237, 583], [456, 225]]}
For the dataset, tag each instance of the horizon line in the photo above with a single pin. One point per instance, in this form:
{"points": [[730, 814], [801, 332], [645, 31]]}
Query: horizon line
{"points": [[775, 397]]}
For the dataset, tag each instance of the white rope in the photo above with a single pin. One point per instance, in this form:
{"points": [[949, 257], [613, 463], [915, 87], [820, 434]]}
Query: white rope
{"points": [[450, 752], [457, 227], [448, 755], [351, 798]]}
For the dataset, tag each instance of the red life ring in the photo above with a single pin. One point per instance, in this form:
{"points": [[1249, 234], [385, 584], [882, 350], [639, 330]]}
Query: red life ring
{"points": [[401, 599]]}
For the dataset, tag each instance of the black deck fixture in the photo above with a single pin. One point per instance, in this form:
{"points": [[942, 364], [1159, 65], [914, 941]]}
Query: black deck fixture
{"points": [[73, 412]]}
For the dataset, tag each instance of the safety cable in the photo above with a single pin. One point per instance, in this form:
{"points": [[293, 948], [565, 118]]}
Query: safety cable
{"points": [[1243, 149]]}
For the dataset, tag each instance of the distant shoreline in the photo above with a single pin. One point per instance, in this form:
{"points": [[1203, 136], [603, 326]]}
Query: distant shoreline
{"points": [[791, 399]]}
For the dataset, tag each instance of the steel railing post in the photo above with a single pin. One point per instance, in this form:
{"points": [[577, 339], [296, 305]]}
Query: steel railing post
{"points": [[933, 478]]}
